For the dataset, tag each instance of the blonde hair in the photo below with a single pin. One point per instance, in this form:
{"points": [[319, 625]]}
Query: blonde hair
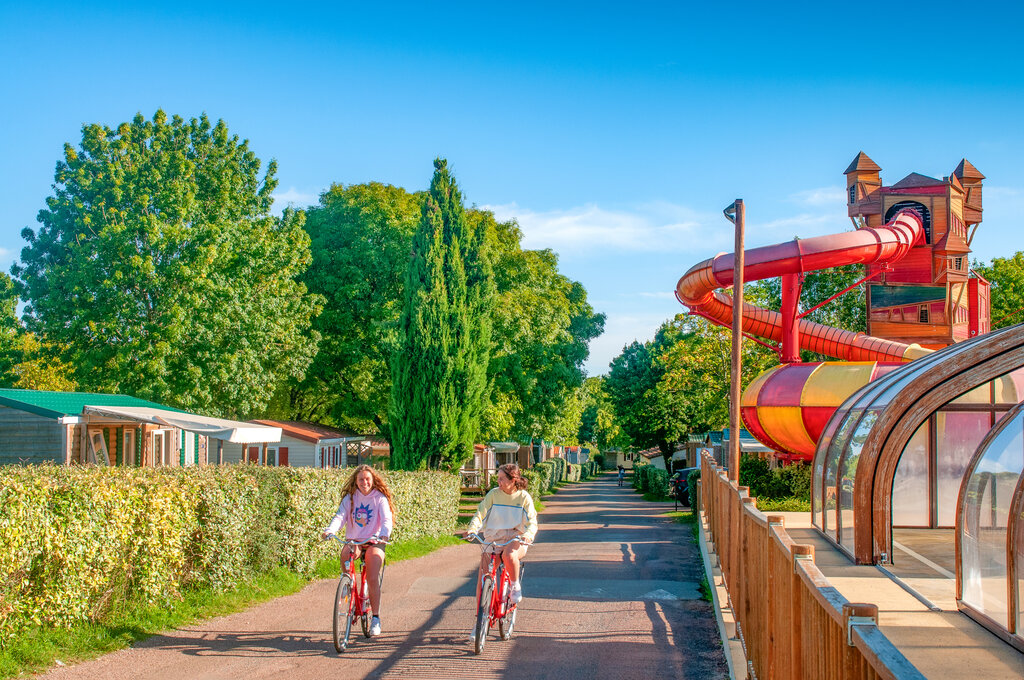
{"points": [[349, 488]]}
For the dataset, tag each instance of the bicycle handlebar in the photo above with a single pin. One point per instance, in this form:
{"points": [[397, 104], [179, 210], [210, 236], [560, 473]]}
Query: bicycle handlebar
{"points": [[477, 538], [369, 541]]}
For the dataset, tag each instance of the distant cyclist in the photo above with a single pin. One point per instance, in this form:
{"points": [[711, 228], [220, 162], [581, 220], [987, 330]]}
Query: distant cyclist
{"points": [[366, 510], [622, 475], [505, 513]]}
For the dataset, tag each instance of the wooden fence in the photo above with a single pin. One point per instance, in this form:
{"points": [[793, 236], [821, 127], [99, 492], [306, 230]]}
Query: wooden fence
{"points": [[793, 623]]}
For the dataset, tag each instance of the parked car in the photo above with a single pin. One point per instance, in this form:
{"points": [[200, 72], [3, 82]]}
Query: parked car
{"points": [[679, 488]]}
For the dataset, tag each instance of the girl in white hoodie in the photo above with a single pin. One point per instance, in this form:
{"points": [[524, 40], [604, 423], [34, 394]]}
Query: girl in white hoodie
{"points": [[366, 510]]}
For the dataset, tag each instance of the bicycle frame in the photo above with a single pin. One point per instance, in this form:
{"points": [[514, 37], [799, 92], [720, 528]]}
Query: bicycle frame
{"points": [[494, 591], [357, 593]]}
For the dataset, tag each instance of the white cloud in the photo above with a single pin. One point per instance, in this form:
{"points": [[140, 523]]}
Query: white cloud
{"points": [[294, 198], [654, 227]]}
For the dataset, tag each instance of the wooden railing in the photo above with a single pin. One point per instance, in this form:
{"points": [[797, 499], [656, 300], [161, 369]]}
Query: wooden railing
{"points": [[477, 480], [792, 622]]}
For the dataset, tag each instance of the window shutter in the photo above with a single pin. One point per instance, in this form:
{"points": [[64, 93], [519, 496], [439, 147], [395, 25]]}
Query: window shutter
{"points": [[282, 456]]}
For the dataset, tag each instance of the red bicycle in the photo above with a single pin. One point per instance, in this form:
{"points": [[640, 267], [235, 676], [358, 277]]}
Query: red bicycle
{"points": [[352, 599], [493, 605]]}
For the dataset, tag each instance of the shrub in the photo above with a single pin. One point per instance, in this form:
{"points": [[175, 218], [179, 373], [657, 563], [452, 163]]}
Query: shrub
{"points": [[691, 484], [598, 459], [649, 479], [790, 481], [77, 539]]}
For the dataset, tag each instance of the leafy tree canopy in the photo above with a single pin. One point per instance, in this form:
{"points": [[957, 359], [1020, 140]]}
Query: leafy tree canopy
{"points": [[543, 326], [1006, 274], [360, 237], [159, 271]]}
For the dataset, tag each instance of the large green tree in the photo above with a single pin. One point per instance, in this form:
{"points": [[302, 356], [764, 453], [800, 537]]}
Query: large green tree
{"points": [[543, 325], [598, 425], [678, 382], [360, 236], [1006, 274], [160, 271], [439, 385]]}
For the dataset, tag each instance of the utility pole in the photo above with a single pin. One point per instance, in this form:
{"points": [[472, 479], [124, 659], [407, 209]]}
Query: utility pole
{"points": [[736, 213]]}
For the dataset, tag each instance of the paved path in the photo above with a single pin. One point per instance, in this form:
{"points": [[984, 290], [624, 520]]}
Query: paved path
{"points": [[610, 592]]}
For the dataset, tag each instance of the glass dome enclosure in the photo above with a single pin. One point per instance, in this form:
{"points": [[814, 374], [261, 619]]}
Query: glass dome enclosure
{"points": [[989, 532], [895, 452]]}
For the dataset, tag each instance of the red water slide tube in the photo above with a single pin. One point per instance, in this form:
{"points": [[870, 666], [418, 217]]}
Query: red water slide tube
{"points": [[698, 288]]}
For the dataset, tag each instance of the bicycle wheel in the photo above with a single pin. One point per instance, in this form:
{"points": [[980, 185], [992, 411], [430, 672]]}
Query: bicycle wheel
{"points": [[342, 613], [483, 613], [365, 614], [508, 622]]}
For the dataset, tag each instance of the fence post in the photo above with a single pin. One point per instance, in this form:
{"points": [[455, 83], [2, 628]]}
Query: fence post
{"points": [[796, 660], [773, 586]]}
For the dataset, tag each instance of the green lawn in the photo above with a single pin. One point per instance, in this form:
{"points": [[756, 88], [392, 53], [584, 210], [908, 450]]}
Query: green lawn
{"points": [[39, 648]]}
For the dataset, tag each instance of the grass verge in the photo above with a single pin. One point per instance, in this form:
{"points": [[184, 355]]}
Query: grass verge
{"points": [[40, 648]]}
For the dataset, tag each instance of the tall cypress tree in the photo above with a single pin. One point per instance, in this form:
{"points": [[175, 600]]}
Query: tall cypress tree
{"points": [[439, 382]]}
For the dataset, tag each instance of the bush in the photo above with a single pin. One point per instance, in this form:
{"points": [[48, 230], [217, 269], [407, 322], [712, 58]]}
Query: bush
{"points": [[77, 539], [598, 458], [652, 480], [691, 484], [572, 472], [790, 481]]}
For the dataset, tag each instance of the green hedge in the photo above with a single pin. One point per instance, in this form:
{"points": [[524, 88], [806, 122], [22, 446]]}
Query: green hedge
{"points": [[649, 479], [76, 539]]}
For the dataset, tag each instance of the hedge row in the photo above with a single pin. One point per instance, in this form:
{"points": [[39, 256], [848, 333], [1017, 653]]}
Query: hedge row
{"points": [[77, 539], [547, 474], [649, 479]]}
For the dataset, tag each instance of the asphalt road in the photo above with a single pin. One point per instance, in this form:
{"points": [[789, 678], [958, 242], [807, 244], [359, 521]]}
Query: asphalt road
{"points": [[610, 591]]}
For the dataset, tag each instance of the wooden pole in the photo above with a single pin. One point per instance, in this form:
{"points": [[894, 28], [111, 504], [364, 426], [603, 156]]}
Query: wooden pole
{"points": [[738, 217]]}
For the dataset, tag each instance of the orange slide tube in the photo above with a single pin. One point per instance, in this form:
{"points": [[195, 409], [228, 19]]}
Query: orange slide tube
{"points": [[698, 288]]}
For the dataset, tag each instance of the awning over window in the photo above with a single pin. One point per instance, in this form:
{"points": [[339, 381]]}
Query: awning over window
{"points": [[218, 428]]}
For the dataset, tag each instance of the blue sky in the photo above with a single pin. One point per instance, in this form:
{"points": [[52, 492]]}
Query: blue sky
{"points": [[614, 136]]}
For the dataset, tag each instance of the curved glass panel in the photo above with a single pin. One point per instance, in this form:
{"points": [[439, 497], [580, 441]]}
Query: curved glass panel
{"points": [[1018, 561], [958, 434], [835, 451], [818, 472], [910, 485], [988, 492], [848, 474]]}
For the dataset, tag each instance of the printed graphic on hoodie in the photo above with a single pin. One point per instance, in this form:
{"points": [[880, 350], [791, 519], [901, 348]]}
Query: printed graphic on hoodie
{"points": [[362, 515]]}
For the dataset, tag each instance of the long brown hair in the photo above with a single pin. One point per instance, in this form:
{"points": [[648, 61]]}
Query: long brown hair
{"points": [[511, 470], [379, 484]]}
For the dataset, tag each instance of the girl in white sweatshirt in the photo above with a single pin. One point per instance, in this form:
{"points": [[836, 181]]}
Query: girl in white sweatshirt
{"points": [[504, 513]]}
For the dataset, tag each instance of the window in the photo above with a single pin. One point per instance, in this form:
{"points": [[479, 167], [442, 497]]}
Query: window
{"points": [[98, 448], [922, 314], [853, 193], [958, 263]]}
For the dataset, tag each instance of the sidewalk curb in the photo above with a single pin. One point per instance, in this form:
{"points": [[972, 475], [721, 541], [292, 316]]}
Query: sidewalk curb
{"points": [[731, 644]]}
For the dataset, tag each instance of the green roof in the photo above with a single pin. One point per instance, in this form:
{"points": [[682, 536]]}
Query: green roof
{"points": [[57, 404]]}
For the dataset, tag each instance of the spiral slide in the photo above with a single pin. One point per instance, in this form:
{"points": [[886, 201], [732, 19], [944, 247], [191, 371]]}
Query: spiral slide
{"points": [[787, 408]]}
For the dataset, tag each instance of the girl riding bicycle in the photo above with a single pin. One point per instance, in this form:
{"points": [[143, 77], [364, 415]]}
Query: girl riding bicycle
{"points": [[366, 510], [505, 513]]}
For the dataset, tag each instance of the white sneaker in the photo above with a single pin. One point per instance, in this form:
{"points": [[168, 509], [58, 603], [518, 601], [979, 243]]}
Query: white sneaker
{"points": [[517, 593], [375, 626]]}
